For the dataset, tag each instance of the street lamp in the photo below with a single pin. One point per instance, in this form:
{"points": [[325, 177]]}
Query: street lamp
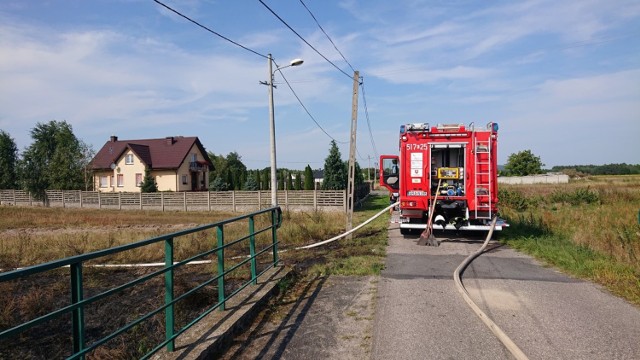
{"points": [[272, 124]]}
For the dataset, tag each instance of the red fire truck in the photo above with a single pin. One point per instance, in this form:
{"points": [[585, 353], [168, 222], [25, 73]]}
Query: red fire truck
{"points": [[451, 168]]}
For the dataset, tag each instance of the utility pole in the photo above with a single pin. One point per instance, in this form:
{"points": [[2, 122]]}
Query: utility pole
{"points": [[272, 124], [352, 152], [272, 136]]}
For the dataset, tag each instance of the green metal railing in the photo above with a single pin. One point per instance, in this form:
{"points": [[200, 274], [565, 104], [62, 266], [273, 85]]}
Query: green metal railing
{"points": [[78, 302]]}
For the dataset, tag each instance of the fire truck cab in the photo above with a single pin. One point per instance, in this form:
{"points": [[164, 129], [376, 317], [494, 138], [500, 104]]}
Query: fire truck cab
{"points": [[454, 166]]}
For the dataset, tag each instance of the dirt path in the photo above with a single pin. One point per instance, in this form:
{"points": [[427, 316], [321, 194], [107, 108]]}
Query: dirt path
{"points": [[324, 318]]}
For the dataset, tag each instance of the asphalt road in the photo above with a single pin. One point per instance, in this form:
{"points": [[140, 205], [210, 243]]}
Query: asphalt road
{"points": [[420, 314]]}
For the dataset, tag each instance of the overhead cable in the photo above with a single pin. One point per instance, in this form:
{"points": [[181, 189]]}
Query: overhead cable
{"points": [[209, 30], [307, 110], [366, 113], [327, 35], [303, 39]]}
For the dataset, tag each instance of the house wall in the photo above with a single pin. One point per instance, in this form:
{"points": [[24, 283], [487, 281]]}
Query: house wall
{"points": [[165, 179], [96, 181], [128, 172], [184, 170]]}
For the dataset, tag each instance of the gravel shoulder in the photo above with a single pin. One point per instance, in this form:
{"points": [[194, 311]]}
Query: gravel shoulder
{"points": [[324, 317]]}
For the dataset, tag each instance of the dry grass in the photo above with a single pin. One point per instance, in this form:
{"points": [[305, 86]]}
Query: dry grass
{"points": [[35, 235], [597, 214]]}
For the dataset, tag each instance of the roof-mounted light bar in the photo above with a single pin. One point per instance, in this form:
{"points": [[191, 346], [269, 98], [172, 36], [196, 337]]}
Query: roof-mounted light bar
{"points": [[415, 127]]}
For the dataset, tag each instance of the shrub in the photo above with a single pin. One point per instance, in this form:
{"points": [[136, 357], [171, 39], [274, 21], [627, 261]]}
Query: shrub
{"points": [[513, 199]]}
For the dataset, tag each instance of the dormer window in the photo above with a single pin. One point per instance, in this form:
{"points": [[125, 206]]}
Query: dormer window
{"points": [[128, 159]]}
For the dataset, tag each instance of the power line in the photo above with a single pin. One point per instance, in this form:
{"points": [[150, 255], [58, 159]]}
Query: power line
{"points": [[366, 113], [307, 110], [303, 39], [207, 29], [327, 35]]}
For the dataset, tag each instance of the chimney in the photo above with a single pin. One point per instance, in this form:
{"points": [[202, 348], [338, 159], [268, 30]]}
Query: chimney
{"points": [[170, 140], [114, 138]]}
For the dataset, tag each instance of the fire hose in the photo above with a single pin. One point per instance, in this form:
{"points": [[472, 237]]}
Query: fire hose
{"points": [[497, 331], [506, 341]]}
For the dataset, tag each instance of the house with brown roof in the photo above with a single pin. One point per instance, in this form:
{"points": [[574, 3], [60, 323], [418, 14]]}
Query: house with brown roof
{"points": [[177, 163]]}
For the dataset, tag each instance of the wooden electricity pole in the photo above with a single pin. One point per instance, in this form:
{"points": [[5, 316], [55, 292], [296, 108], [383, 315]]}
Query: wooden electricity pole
{"points": [[352, 152]]}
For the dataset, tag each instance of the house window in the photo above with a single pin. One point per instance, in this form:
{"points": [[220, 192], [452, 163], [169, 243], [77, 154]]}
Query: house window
{"points": [[111, 183], [128, 159], [120, 180], [138, 179], [194, 157], [184, 180], [104, 181]]}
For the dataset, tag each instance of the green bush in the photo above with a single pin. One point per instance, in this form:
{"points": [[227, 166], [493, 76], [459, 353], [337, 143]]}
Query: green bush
{"points": [[513, 199], [577, 197]]}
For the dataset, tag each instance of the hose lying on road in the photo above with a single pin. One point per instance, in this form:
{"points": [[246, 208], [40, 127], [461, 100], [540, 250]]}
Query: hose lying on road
{"points": [[506, 341]]}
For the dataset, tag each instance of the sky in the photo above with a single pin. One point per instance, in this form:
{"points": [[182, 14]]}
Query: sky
{"points": [[560, 77]]}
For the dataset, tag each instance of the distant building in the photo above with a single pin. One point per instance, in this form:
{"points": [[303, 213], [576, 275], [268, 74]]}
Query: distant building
{"points": [[177, 163], [318, 177]]}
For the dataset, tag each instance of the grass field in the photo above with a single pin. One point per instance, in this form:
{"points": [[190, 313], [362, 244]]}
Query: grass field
{"points": [[588, 228], [36, 235]]}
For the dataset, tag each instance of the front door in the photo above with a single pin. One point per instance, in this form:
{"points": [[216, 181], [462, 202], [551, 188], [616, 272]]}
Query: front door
{"points": [[194, 181]]}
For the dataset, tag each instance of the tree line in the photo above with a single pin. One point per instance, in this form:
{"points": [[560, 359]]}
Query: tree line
{"points": [[525, 163], [229, 173], [58, 160], [607, 169]]}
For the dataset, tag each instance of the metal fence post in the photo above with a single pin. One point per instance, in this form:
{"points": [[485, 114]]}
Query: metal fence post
{"points": [[220, 253], [274, 235], [169, 323], [252, 250], [77, 317]]}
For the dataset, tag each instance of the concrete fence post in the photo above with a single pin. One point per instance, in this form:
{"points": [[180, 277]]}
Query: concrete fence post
{"points": [[233, 201], [315, 200], [162, 200], [119, 200], [140, 199], [184, 199]]}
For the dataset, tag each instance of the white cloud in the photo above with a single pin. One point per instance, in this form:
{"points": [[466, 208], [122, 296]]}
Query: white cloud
{"points": [[623, 85], [406, 75]]}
